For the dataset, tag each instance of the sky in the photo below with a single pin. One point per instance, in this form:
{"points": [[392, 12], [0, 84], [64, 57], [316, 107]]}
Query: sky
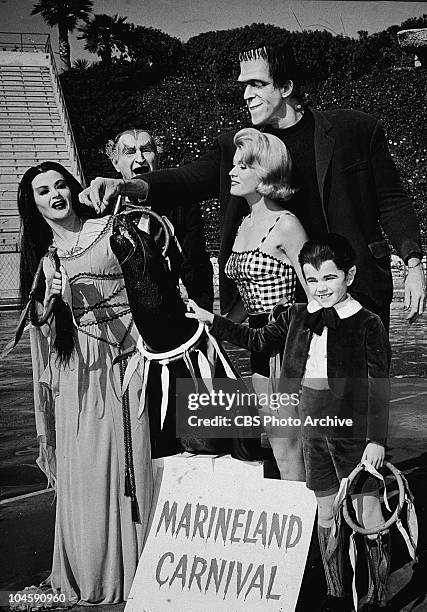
{"points": [[186, 18]]}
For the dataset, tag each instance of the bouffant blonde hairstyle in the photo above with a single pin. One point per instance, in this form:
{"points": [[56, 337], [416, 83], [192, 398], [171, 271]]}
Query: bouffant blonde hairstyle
{"points": [[269, 157]]}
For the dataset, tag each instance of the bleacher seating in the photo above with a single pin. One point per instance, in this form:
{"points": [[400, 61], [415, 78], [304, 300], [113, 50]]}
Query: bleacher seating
{"points": [[33, 128]]}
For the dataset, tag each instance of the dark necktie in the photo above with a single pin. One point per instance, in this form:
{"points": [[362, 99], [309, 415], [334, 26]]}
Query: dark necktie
{"points": [[325, 317]]}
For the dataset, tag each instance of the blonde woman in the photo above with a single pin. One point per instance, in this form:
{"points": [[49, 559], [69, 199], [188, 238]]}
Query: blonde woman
{"points": [[264, 259]]}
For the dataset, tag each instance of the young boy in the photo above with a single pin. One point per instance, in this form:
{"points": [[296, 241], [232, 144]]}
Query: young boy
{"points": [[337, 354]]}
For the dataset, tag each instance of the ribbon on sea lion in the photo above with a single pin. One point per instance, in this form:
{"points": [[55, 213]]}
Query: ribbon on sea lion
{"points": [[226, 365], [130, 370], [135, 362], [205, 369], [143, 358], [165, 393], [142, 400]]}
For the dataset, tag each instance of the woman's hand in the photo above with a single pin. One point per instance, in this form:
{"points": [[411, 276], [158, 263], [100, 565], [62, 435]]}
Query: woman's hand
{"points": [[53, 280], [195, 312], [374, 454]]}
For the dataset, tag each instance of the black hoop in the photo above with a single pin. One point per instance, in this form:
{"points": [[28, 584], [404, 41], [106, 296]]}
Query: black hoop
{"points": [[394, 517]]}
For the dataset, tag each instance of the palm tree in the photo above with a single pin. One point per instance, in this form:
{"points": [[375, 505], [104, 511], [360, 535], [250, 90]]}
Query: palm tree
{"points": [[65, 14], [104, 33], [80, 65]]}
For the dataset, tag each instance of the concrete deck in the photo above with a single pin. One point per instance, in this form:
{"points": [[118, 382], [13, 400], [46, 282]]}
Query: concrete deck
{"points": [[27, 523]]}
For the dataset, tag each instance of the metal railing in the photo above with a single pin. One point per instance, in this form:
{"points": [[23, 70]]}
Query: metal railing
{"points": [[68, 127], [36, 42], [24, 41]]}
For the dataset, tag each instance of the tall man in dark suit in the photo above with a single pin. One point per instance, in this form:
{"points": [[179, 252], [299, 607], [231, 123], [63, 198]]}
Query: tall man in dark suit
{"points": [[347, 179]]}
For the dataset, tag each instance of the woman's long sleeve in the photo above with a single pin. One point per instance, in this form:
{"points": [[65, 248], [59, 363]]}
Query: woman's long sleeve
{"points": [[43, 401]]}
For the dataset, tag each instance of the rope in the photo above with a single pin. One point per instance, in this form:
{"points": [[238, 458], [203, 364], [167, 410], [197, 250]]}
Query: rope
{"points": [[104, 320], [105, 276], [130, 487], [101, 303], [97, 239]]}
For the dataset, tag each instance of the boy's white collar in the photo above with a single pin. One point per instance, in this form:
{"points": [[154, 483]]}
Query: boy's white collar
{"points": [[346, 308]]}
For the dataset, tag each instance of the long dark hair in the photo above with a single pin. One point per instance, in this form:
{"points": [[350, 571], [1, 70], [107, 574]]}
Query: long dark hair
{"points": [[36, 236]]}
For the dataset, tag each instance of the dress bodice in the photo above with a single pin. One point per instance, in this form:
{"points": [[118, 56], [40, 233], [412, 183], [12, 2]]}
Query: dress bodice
{"points": [[262, 279], [98, 294]]}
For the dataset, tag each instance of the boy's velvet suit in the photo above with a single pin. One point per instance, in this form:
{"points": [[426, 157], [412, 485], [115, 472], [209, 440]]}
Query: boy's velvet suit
{"points": [[358, 360]]}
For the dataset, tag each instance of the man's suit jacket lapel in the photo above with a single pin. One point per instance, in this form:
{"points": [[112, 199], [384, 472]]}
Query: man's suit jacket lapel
{"points": [[297, 344], [324, 143], [236, 209], [297, 350]]}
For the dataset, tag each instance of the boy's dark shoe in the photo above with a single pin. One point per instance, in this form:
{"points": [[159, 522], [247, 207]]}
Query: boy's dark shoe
{"points": [[336, 604]]}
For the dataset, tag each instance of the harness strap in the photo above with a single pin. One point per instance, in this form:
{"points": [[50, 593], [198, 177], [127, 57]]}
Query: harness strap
{"points": [[169, 355], [143, 358], [226, 365]]}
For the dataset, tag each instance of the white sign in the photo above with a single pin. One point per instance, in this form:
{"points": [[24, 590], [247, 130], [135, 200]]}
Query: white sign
{"points": [[223, 538]]}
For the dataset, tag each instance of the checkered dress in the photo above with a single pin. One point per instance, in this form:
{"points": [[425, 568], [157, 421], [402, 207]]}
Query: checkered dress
{"points": [[262, 279]]}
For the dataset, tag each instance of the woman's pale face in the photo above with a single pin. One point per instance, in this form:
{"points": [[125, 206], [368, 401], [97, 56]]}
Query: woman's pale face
{"points": [[52, 196], [244, 180]]}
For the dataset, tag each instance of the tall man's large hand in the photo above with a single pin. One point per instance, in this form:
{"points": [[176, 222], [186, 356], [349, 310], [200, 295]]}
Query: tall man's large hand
{"points": [[101, 192], [414, 290]]}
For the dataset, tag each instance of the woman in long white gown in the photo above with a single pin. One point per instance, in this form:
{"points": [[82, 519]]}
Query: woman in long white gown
{"points": [[94, 444]]}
